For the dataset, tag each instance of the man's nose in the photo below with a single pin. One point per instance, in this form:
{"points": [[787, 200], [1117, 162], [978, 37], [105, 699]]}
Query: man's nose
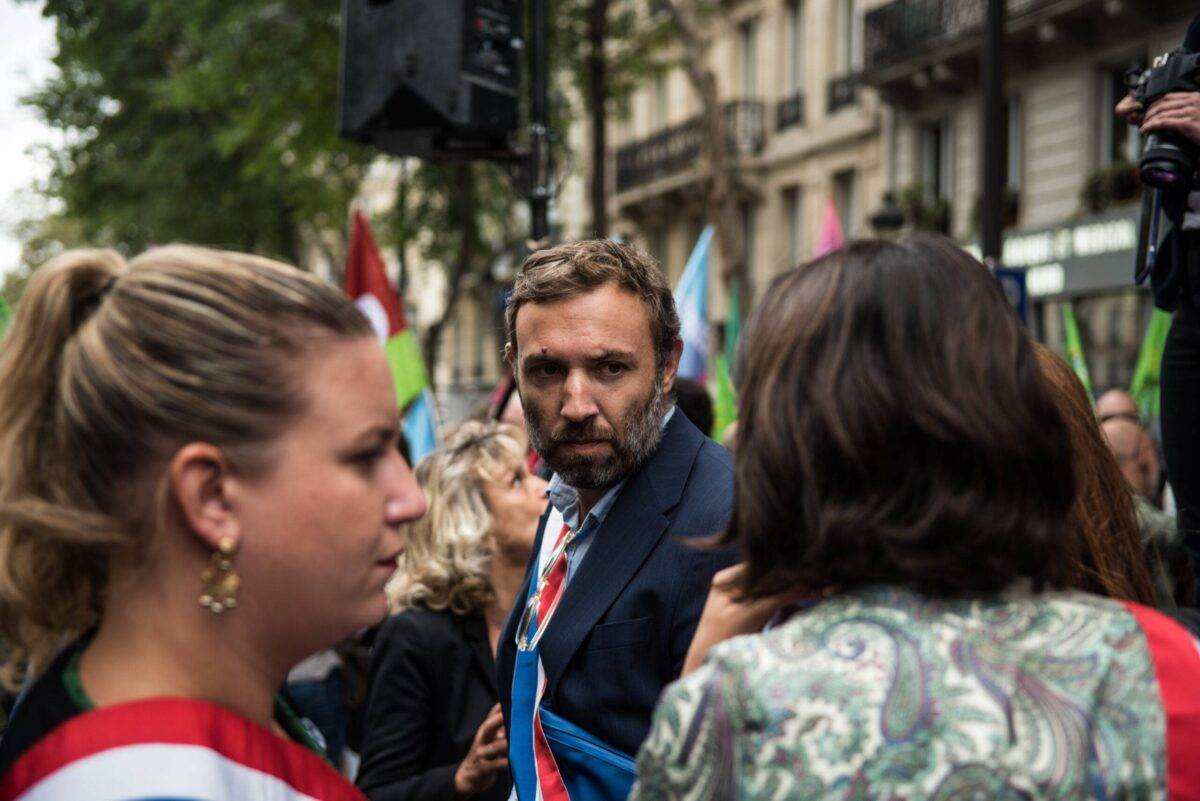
{"points": [[578, 403]]}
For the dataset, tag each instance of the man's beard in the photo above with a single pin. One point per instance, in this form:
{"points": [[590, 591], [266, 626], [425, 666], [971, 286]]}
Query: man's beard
{"points": [[631, 447]]}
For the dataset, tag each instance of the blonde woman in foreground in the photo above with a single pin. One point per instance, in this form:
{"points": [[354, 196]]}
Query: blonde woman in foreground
{"points": [[432, 728], [200, 487]]}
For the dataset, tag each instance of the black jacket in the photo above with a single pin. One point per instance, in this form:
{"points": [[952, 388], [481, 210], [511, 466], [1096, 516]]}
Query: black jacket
{"points": [[625, 621], [432, 683]]}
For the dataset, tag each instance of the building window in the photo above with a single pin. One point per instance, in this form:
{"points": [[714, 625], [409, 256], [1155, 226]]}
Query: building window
{"points": [[1119, 141], [793, 221], [936, 160], [749, 245], [658, 247], [1014, 124], [794, 51], [661, 100], [849, 37], [748, 45], [845, 201]]}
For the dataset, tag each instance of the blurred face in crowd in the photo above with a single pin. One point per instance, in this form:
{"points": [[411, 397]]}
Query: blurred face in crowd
{"points": [[1134, 449], [593, 391], [320, 527], [514, 415], [515, 499], [1116, 403]]}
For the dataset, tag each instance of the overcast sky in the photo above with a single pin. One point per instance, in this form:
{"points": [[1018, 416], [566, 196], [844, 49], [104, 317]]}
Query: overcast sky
{"points": [[26, 47]]}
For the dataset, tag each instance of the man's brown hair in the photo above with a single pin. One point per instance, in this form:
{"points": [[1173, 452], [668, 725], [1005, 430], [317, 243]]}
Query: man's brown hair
{"points": [[894, 427], [576, 268]]}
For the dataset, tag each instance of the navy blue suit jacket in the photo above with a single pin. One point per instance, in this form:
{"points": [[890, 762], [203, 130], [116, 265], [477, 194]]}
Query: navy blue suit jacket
{"points": [[626, 618]]}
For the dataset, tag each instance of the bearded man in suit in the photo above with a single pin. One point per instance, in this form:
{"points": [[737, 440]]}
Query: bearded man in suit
{"points": [[614, 589]]}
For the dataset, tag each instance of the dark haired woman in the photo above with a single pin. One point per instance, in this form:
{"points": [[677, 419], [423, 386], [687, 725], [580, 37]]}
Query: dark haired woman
{"points": [[1112, 560], [901, 459]]}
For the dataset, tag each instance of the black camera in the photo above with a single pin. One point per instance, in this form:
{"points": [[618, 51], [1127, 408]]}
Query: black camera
{"points": [[1169, 160]]}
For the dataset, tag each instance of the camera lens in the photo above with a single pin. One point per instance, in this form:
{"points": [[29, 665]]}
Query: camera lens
{"points": [[1166, 164], [1162, 175]]}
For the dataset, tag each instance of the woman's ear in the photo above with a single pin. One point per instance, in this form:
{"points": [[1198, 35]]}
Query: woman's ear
{"points": [[199, 476]]}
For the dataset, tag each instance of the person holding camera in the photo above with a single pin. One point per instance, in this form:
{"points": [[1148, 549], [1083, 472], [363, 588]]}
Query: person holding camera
{"points": [[1171, 123], [1177, 112]]}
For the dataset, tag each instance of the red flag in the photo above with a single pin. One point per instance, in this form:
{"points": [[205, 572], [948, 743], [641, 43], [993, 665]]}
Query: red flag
{"points": [[366, 275], [367, 284]]}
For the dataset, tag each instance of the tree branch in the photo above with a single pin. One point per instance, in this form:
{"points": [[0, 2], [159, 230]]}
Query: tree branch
{"points": [[719, 181]]}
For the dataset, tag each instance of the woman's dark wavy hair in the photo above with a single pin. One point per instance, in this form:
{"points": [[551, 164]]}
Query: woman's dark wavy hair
{"points": [[894, 427]]}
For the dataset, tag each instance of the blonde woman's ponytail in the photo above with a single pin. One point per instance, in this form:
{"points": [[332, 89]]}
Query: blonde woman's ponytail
{"points": [[52, 552], [107, 369]]}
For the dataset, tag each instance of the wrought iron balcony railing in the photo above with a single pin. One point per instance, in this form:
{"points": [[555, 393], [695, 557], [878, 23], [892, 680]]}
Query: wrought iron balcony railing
{"points": [[843, 92], [904, 28], [674, 149], [789, 112]]}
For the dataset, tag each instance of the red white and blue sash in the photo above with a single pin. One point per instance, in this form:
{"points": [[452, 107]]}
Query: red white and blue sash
{"points": [[535, 774], [1176, 658], [170, 748]]}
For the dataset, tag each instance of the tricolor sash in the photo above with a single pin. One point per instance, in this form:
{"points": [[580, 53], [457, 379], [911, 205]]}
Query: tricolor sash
{"points": [[170, 748], [552, 759]]}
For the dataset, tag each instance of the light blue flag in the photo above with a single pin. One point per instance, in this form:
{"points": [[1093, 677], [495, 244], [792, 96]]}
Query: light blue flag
{"points": [[691, 300], [420, 427]]}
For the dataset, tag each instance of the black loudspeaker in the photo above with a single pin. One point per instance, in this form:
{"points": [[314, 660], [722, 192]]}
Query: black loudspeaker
{"points": [[431, 78]]}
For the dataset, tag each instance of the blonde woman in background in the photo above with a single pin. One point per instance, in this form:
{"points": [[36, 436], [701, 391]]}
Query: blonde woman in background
{"points": [[432, 729], [199, 486]]}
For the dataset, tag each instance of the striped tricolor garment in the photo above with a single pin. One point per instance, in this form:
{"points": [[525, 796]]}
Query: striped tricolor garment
{"points": [[170, 748], [535, 773]]}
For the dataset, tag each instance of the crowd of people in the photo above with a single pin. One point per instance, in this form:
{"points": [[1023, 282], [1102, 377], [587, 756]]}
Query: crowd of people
{"points": [[930, 568], [926, 566]]}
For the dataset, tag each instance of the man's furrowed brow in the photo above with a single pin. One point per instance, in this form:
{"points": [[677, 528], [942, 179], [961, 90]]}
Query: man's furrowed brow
{"points": [[614, 355], [534, 359]]}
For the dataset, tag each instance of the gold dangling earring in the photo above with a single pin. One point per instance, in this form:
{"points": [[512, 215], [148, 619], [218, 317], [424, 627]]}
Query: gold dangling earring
{"points": [[220, 582]]}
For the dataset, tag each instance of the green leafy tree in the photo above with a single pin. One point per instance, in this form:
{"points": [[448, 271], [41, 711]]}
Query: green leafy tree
{"points": [[214, 122], [211, 121], [463, 217], [621, 40], [693, 25]]}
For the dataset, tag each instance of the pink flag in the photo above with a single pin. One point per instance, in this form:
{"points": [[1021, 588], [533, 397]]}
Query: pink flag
{"points": [[831, 237]]}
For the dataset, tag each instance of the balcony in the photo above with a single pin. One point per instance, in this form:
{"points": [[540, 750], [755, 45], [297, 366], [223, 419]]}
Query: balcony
{"points": [[905, 28], [843, 92], [913, 46], [675, 149], [789, 112]]}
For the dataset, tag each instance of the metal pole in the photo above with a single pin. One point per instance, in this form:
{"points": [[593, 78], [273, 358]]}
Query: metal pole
{"points": [[539, 150], [995, 132]]}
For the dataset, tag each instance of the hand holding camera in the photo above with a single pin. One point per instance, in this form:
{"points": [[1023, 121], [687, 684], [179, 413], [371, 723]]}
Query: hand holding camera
{"points": [[1177, 112], [1164, 101], [1170, 95]]}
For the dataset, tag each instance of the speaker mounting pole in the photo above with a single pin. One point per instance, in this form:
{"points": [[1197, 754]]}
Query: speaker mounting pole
{"points": [[539, 143]]}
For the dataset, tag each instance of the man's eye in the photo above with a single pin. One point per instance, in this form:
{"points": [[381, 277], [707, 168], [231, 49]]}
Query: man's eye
{"points": [[545, 370], [612, 368]]}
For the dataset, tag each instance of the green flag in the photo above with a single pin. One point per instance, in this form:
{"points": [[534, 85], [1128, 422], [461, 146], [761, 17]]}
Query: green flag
{"points": [[1075, 347], [726, 406], [1144, 387]]}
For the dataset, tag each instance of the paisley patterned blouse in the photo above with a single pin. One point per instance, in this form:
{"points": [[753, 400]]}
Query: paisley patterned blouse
{"points": [[882, 693]]}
